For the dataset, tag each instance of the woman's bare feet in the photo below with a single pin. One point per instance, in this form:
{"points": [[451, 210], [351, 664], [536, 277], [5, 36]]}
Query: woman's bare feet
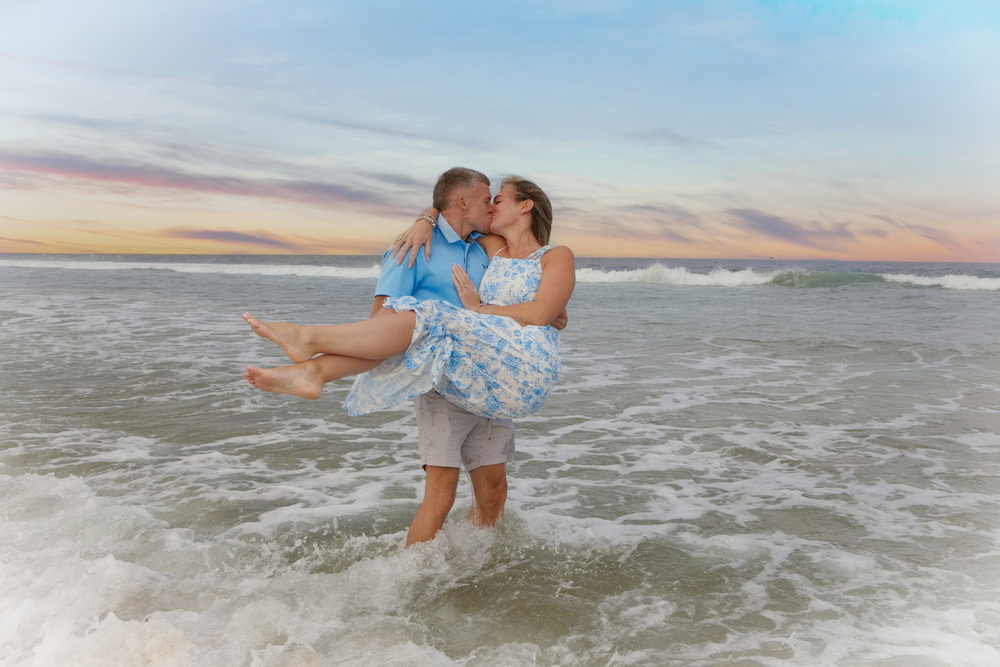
{"points": [[303, 380], [285, 335]]}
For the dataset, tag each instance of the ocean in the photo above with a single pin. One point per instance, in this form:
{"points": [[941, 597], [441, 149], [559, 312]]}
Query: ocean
{"points": [[754, 463]]}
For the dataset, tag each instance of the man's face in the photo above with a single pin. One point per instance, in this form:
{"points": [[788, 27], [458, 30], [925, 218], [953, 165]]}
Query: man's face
{"points": [[480, 210]]}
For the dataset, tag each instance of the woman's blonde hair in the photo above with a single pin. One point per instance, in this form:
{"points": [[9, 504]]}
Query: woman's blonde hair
{"points": [[541, 212]]}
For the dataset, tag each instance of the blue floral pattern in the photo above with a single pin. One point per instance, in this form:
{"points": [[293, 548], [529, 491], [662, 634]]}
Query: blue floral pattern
{"points": [[488, 364]]}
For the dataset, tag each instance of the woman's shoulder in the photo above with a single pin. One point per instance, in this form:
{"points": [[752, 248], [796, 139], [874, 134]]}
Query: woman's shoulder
{"points": [[559, 260], [559, 252]]}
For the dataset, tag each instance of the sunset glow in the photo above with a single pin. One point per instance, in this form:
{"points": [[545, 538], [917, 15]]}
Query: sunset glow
{"points": [[794, 130]]}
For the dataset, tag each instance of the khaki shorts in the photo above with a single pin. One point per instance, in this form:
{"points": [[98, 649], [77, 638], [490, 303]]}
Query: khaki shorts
{"points": [[450, 437]]}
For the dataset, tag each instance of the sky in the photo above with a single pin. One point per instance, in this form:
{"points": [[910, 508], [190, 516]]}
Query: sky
{"points": [[853, 130]]}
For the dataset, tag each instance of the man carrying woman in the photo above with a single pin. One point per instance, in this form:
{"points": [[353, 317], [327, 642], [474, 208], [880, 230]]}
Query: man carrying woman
{"points": [[472, 360]]}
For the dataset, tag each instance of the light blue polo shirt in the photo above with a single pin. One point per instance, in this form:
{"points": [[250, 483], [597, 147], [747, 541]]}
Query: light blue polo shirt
{"points": [[432, 280]]}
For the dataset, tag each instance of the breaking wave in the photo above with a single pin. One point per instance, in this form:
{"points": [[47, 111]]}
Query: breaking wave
{"points": [[680, 276], [656, 273]]}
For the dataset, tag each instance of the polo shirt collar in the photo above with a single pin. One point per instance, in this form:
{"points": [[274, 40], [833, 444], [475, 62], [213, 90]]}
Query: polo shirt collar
{"points": [[450, 235]]}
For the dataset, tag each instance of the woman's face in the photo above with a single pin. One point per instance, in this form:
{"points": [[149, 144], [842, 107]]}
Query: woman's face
{"points": [[506, 209]]}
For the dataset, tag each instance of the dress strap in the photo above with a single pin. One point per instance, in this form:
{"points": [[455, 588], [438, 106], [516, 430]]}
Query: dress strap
{"points": [[538, 253], [535, 255]]}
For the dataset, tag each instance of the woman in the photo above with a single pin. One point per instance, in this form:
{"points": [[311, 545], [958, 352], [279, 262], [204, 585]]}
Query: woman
{"points": [[495, 357]]}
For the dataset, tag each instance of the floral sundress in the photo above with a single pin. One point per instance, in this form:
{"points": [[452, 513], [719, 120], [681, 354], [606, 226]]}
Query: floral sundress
{"points": [[488, 364]]}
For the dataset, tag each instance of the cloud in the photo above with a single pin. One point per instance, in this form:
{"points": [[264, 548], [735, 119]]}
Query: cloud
{"points": [[674, 213], [79, 66], [65, 165], [664, 136], [26, 241], [89, 123], [176, 152], [876, 233], [940, 237], [367, 127], [399, 179], [20, 220], [772, 226], [943, 239], [890, 220], [224, 236], [638, 222], [657, 222]]}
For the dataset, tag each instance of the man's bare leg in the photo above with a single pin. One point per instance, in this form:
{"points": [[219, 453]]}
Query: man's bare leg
{"points": [[307, 379], [489, 494], [376, 338], [439, 496]]}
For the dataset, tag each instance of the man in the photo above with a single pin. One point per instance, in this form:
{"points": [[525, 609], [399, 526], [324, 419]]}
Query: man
{"points": [[448, 436]]}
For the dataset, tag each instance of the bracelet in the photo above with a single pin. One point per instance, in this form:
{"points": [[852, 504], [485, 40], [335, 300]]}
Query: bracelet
{"points": [[481, 304], [428, 219]]}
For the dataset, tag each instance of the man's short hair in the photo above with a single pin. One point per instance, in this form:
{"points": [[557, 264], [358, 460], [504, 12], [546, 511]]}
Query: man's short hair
{"points": [[451, 180]]}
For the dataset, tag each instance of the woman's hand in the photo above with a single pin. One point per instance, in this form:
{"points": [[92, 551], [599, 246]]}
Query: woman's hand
{"points": [[466, 290], [419, 234], [562, 319]]}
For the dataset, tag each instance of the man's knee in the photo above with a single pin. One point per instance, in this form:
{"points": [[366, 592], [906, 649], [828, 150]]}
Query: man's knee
{"points": [[440, 487], [489, 484], [495, 485]]}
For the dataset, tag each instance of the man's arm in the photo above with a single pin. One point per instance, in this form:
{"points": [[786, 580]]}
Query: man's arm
{"points": [[393, 280]]}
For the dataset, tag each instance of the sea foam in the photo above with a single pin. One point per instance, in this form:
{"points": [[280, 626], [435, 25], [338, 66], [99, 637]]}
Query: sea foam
{"points": [[950, 281], [656, 273], [305, 270], [680, 276], [669, 275]]}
